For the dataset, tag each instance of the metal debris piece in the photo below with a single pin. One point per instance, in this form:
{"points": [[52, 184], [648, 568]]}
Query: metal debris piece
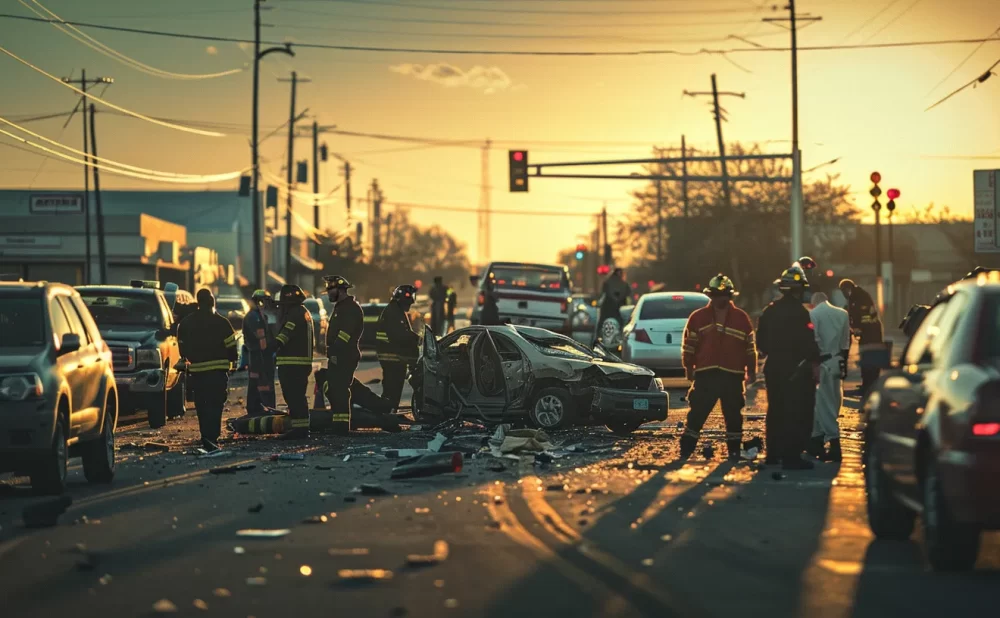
{"points": [[288, 457], [324, 468], [440, 555], [316, 519], [155, 447], [199, 604], [232, 469], [347, 458], [203, 454], [256, 581], [428, 465], [222, 593], [164, 606], [365, 574], [495, 465], [257, 533], [370, 489]]}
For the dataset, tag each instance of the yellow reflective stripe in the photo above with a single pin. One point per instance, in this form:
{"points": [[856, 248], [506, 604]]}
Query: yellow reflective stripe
{"points": [[231, 344], [341, 418], [381, 337], [213, 365], [282, 338], [290, 325], [371, 318], [294, 360], [705, 327], [300, 422], [343, 336], [230, 339]]}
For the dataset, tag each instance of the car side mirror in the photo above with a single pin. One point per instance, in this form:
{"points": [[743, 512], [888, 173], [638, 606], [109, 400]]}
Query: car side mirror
{"points": [[70, 343]]}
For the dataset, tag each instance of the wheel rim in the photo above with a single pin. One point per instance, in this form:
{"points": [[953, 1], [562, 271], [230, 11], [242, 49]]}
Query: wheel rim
{"points": [[549, 410]]}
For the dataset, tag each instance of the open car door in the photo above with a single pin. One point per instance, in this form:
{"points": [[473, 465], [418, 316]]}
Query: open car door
{"points": [[491, 394], [435, 374]]}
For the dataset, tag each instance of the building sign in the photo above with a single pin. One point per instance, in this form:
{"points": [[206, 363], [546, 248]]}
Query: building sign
{"points": [[984, 184], [56, 204]]}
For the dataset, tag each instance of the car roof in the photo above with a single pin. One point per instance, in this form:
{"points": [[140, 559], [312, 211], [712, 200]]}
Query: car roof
{"points": [[24, 286], [116, 288], [686, 295], [526, 265]]}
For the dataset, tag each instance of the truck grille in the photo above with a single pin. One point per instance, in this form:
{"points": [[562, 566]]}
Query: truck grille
{"points": [[122, 357]]}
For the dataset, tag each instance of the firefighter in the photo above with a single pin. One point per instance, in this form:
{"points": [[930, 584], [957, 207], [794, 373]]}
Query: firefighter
{"points": [[490, 315], [833, 335], [343, 348], [451, 301], [718, 355], [208, 344], [294, 357], [259, 343], [866, 324], [439, 296], [786, 340], [396, 344]]}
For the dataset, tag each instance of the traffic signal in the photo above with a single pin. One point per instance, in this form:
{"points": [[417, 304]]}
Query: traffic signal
{"points": [[302, 172], [603, 269], [607, 254], [581, 251], [892, 194], [875, 191], [271, 199], [518, 171], [244, 186], [324, 153]]}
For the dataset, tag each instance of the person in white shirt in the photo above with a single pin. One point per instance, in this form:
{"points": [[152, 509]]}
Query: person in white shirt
{"points": [[833, 336]]}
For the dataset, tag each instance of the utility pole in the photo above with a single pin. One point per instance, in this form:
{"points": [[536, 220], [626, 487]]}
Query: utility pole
{"points": [[316, 183], [376, 220], [347, 186], [485, 191], [258, 217], [83, 83], [289, 176], [659, 221], [684, 182], [796, 202], [724, 171], [102, 256], [604, 234]]}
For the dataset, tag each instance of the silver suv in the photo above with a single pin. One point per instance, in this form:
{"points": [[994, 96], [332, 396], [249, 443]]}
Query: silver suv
{"points": [[58, 397]]}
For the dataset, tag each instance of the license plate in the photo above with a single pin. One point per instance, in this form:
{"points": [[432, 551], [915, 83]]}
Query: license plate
{"points": [[640, 404]]}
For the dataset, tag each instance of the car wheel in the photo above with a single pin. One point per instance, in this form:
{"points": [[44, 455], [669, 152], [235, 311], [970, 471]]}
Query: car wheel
{"points": [[623, 428], [50, 476], [157, 410], [552, 408], [950, 545], [99, 455], [176, 399], [888, 518]]}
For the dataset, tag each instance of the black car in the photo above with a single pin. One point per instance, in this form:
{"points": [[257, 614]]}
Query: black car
{"points": [[139, 327], [58, 397], [932, 437]]}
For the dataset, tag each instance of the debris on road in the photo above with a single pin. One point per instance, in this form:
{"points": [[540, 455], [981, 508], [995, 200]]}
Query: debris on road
{"points": [[352, 551], [232, 469], [403, 453], [164, 606], [199, 604], [750, 454], [370, 489], [288, 457], [428, 465], [45, 514], [316, 519], [256, 581], [203, 454], [440, 555], [436, 444], [324, 468], [257, 508], [222, 593], [347, 458], [364, 574], [495, 465], [257, 533]]}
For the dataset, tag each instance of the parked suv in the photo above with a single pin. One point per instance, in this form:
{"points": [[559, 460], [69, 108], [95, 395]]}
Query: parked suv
{"points": [[58, 397], [139, 327]]}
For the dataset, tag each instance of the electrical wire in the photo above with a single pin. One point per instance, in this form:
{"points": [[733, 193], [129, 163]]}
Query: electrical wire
{"points": [[536, 53], [978, 80], [431, 7], [91, 42], [865, 23], [111, 105], [124, 172], [962, 63], [893, 20]]}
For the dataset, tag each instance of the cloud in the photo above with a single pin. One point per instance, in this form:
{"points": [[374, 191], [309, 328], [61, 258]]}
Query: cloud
{"points": [[486, 79], [211, 50]]}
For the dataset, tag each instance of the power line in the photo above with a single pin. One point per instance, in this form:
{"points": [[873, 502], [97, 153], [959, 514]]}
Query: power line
{"points": [[493, 52], [111, 105], [962, 63], [473, 211], [96, 45], [870, 19], [893, 20], [431, 7], [973, 82]]}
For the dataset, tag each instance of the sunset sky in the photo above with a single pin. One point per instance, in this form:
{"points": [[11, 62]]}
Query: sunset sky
{"points": [[865, 106]]}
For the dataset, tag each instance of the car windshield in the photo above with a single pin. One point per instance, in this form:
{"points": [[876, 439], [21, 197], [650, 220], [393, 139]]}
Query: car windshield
{"points": [[557, 345], [21, 323], [529, 277], [675, 307], [225, 305], [122, 309]]}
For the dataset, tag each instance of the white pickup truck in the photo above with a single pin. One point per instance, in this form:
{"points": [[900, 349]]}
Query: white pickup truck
{"points": [[536, 295]]}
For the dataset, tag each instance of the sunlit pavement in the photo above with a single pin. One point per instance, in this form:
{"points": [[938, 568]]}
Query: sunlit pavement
{"points": [[621, 530]]}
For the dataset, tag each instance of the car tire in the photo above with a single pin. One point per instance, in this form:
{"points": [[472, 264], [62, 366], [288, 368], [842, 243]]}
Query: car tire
{"points": [[49, 477], [623, 428], [99, 455], [950, 545], [552, 408], [177, 399], [157, 410], [888, 518]]}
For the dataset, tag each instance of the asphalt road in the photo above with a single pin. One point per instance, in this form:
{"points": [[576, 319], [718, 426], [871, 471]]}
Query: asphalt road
{"points": [[620, 530]]}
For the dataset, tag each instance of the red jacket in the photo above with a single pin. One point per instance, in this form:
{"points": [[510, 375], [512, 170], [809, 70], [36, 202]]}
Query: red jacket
{"points": [[728, 346]]}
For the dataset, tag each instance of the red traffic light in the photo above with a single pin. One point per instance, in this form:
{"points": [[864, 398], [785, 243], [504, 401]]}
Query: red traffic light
{"points": [[829, 273], [892, 194], [581, 247], [418, 284], [518, 155], [876, 177], [603, 269]]}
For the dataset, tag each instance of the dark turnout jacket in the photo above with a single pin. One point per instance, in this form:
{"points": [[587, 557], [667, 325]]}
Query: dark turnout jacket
{"points": [[347, 324], [786, 336], [395, 340], [207, 340]]}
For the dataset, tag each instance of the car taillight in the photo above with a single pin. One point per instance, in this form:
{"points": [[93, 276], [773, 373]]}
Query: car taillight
{"points": [[482, 299], [985, 429], [642, 336], [564, 307]]}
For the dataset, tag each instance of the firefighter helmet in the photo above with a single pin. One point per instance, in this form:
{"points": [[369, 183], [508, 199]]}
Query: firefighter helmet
{"points": [[336, 281], [792, 279], [291, 295], [721, 285], [260, 295], [404, 292], [807, 263]]}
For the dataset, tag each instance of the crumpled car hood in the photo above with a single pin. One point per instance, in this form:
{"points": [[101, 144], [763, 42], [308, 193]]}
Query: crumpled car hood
{"points": [[567, 367]]}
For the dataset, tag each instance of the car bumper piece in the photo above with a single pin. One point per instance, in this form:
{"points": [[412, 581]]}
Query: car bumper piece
{"points": [[622, 404], [145, 381], [25, 431]]}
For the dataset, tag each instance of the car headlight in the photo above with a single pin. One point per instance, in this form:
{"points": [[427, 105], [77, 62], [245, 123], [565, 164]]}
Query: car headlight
{"points": [[656, 385], [148, 358], [19, 388]]}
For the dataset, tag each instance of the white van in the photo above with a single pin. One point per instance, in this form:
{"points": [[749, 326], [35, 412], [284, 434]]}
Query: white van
{"points": [[528, 294]]}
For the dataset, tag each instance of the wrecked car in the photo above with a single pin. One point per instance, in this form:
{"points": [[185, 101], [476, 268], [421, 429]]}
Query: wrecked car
{"points": [[506, 373]]}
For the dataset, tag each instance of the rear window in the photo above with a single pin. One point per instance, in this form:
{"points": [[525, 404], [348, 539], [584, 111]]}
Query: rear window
{"points": [[22, 322], [670, 308], [530, 278], [111, 309]]}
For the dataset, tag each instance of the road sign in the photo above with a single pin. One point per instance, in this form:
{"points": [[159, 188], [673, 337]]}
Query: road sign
{"points": [[986, 207], [56, 203]]}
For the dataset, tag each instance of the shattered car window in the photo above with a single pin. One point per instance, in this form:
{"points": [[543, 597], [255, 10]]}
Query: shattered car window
{"points": [[557, 345], [462, 340]]}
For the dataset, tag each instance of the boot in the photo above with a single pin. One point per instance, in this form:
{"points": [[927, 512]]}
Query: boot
{"points": [[688, 444], [733, 449], [796, 463], [816, 448], [834, 455]]}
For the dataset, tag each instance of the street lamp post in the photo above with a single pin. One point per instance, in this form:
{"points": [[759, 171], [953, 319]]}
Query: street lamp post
{"points": [[258, 258]]}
